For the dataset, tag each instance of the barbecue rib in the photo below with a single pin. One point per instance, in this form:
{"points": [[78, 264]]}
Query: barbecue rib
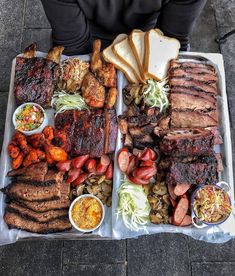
{"points": [[192, 173], [14, 220], [35, 77], [187, 142]]}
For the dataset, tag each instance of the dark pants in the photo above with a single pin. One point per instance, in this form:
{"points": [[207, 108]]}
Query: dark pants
{"points": [[75, 23]]}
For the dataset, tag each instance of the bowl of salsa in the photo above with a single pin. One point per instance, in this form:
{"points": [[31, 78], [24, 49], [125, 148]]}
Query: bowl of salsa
{"points": [[211, 205], [86, 213], [30, 118]]}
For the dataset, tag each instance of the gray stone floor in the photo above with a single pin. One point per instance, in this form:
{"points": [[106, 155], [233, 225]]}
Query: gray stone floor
{"points": [[24, 21]]}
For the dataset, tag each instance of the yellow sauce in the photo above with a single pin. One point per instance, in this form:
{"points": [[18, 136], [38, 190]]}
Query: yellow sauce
{"points": [[87, 213]]}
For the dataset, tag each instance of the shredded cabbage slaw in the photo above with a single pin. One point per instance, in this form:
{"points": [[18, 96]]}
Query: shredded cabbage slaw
{"points": [[63, 101], [156, 94], [133, 205]]}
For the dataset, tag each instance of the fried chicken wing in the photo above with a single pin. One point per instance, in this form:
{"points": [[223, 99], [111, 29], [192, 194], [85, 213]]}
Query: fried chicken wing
{"points": [[48, 131], [55, 54], [16, 162], [56, 153], [13, 150], [20, 140], [92, 91], [36, 140], [30, 158], [62, 140]]}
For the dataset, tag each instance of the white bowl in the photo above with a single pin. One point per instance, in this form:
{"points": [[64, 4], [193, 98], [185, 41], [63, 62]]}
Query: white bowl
{"points": [[70, 213], [34, 131]]}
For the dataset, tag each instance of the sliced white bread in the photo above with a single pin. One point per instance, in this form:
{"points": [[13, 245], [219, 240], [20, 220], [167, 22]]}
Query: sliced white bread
{"points": [[109, 56], [159, 31], [159, 50], [124, 52]]}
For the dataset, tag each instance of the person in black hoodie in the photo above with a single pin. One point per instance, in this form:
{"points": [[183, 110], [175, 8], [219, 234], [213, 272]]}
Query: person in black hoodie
{"points": [[76, 23]]}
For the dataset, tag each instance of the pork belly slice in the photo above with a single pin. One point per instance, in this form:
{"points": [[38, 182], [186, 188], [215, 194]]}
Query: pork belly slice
{"points": [[111, 129], [35, 172], [191, 83], [14, 220], [29, 192], [184, 142], [39, 217], [195, 173], [189, 118], [98, 134], [191, 91], [42, 206], [187, 101], [203, 76], [177, 64]]}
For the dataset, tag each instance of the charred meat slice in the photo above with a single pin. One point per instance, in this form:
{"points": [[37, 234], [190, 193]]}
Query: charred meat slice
{"points": [[29, 192], [207, 77], [39, 217], [188, 118], [111, 130], [187, 142], [192, 65], [14, 220], [34, 173], [87, 131], [187, 101], [195, 173], [127, 141]]}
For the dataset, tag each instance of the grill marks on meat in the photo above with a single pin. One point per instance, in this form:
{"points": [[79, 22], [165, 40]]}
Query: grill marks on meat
{"points": [[192, 173], [14, 220], [35, 216], [89, 132], [187, 142], [35, 80]]}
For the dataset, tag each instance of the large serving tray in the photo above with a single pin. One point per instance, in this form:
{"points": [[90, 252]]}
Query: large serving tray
{"points": [[113, 226]]}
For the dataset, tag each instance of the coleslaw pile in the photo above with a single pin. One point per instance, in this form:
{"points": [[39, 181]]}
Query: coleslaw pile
{"points": [[133, 205], [212, 204], [156, 94]]}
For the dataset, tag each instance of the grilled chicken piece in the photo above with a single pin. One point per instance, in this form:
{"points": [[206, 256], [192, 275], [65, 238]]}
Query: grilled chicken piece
{"points": [[96, 61], [92, 91], [55, 53], [30, 51]]}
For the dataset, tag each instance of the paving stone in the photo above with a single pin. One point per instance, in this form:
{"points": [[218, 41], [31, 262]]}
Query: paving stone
{"points": [[206, 252], [95, 269], [35, 16], [225, 11], [31, 258], [3, 108], [11, 21], [95, 252], [213, 269], [205, 32], [162, 254], [41, 36]]}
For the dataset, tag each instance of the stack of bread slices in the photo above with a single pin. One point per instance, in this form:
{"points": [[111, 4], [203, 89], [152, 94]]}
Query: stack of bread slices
{"points": [[142, 55]]}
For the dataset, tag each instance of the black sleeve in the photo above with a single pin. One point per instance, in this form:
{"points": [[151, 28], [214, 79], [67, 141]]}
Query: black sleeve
{"points": [[177, 18], [69, 26]]}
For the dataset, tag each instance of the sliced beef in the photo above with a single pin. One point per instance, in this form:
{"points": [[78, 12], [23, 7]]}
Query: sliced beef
{"points": [[14, 220], [187, 101], [35, 172], [207, 77], [36, 216], [142, 142], [189, 118], [127, 141], [187, 142], [111, 130], [174, 64], [195, 173], [87, 131], [29, 192]]}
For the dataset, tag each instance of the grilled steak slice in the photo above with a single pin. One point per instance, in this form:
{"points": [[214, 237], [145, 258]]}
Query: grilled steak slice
{"points": [[188, 118], [31, 192], [14, 220], [187, 142], [191, 83], [35, 172], [34, 80], [192, 65], [43, 206], [39, 217], [207, 77], [111, 130], [196, 173], [98, 135], [187, 101]]}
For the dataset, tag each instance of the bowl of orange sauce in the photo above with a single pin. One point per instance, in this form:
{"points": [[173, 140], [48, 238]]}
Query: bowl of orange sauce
{"points": [[86, 213]]}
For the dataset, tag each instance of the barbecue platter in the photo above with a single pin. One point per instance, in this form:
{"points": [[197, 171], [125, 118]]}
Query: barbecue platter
{"points": [[143, 147]]}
